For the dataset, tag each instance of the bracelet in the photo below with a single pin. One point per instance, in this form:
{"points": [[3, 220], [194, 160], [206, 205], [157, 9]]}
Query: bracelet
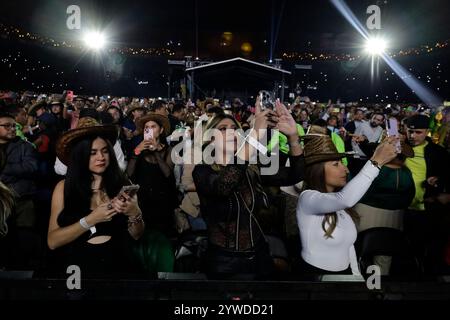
{"points": [[296, 142], [375, 164], [136, 219], [137, 152]]}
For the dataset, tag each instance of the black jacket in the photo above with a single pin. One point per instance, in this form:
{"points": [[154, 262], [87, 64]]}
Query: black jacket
{"points": [[222, 193], [438, 165], [20, 168]]}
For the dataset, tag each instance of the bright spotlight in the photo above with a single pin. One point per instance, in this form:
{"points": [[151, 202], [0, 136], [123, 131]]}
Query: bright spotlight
{"points": [[94, 40], [376, 46]]}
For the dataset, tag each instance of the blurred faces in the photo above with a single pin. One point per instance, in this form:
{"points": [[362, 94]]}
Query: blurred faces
{"points": [[303, 115], [416, 136], [180, 115], [332, 121], [376, 120], [40, 111], [21, 117], [226, 143], [115, 114], [99, 160], [335, 175], [137, 113], [359, 115], [163, 110], [79, 104], [7, 130], [56, 109]]}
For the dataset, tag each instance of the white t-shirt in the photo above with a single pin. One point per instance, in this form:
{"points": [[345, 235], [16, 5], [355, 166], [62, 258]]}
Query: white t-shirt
{"points": [[338, 252], [372, 134]]}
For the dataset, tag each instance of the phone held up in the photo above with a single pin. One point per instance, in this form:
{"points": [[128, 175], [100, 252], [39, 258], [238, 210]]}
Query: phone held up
{"points": [[148, 134], [267, 100], [392, 131]]}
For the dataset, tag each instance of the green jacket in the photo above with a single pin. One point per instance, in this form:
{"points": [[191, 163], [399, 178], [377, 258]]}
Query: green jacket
{"points": [[282, 140], [19, 132], [284, 146], [340, 145], [393, 189]]}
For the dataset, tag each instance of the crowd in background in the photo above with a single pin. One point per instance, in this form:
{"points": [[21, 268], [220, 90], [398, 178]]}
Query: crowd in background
{"points": [[411, 193]]}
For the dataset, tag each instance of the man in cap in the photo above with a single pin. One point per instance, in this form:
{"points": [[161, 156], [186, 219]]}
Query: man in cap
{"points": [[431, 175]]}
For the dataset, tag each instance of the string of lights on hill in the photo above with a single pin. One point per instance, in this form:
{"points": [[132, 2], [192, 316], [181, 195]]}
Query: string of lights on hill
{"points": [[9, 32], [39, 72]]}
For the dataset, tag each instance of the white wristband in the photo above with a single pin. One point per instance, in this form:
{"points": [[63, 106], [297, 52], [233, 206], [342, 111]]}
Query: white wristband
{"points": [[85, 225]]}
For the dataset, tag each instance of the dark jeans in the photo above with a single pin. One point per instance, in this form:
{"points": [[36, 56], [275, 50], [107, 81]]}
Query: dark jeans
{"points": [[227, 264], [307, 269]]}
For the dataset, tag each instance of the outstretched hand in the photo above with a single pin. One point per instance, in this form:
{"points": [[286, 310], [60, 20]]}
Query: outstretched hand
{"points": [[264, 119], [286, 123]]}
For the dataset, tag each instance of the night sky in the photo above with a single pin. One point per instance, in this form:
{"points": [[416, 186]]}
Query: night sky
{"points": [[217, 30], [288, 25]]}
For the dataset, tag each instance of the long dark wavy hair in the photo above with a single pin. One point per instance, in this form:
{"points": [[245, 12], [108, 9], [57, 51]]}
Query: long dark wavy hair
{"points": [[78, 183], [315, 180]]}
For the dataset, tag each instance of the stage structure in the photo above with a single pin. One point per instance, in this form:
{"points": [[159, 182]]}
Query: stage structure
{"points": [[237, 77]]}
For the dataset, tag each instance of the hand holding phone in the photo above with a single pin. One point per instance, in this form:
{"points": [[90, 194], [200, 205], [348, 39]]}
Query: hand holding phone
{"points": [[130, 191], [69, 95], [392, 131], [267, 100]]}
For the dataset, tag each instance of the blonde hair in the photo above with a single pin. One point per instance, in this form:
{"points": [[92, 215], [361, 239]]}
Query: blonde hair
{"points": [[6, 206], [213, 123]]}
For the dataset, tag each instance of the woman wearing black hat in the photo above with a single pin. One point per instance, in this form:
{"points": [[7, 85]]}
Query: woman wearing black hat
{"points": [[326, 222], [90, 222]]}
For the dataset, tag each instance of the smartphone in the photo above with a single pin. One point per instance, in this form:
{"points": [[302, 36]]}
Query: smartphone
{"points": [[148, 134], [267, 100], [392, 131], [69, 95], [130, 190]]}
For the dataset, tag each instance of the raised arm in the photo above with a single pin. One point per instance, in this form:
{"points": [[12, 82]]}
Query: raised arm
{"points": [[315, 202]]}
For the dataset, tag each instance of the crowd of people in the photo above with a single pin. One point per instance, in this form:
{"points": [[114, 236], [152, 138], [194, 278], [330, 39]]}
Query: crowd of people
{"points": [[352, 170]]}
